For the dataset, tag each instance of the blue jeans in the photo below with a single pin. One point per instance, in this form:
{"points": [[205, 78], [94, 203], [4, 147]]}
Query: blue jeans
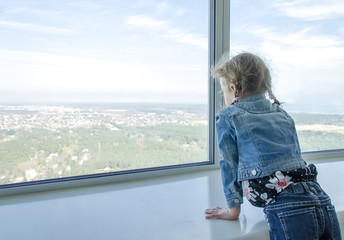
{"points": [[302, 211]]}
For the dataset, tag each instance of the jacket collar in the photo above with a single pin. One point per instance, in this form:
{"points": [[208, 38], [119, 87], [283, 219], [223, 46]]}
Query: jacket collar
{"points": [[253, 97]]}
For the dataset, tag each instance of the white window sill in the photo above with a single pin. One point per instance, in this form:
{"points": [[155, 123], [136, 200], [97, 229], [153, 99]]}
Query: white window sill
{"points": [[160, 208]]}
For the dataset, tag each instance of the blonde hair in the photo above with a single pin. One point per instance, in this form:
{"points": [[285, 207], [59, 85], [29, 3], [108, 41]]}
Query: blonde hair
{"points": [[247, 72]]}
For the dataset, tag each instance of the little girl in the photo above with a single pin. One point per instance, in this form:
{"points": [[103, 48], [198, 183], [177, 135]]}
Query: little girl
{"points": [[261, 157]]}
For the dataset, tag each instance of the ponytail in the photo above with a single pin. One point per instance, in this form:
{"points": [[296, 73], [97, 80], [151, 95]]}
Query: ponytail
{"points": [[273, 97]]}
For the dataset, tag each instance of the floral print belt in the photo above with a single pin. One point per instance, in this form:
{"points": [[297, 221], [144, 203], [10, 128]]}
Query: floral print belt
{"points": [[261, 191]]}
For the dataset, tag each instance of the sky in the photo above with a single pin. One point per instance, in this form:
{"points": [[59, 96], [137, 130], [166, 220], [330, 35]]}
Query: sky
{"points": [[105, 50], [157, 51], [303, 43]]}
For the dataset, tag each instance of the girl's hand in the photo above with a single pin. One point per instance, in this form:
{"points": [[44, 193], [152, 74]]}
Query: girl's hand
{"points": [[223, 213]]}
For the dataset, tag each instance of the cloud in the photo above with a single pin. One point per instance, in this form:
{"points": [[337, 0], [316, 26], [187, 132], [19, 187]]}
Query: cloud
{"points": [[144, 21], [303, 38], [306, 64], [87, 5], [166, 31], [194, 39], [34, 27], [161, 7], [300, 48], [166, 8], [311, 10], [54, 71]]}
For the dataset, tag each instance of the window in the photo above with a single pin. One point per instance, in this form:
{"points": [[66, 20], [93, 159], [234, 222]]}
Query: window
{"points": [[303, 42], [99, 87]]}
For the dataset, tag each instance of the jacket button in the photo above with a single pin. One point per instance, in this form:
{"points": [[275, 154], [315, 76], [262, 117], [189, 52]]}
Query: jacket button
{"points": [[254, 172]]}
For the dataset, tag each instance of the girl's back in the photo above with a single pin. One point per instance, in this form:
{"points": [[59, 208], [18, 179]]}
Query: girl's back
{"points": [[265, 135]]}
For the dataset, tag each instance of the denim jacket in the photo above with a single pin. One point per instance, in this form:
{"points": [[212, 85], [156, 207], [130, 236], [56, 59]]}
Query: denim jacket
{"points": [[255, 139]]}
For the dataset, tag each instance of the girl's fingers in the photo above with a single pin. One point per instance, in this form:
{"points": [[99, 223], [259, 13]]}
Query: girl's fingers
{"points": [[209, 216], [211, 210]]}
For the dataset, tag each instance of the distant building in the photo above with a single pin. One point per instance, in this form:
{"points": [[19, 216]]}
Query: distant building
{"points": [[30, 174]]}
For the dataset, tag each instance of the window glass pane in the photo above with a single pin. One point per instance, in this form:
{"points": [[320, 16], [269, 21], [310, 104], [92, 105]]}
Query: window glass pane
{"points": [[101, 86], [303, 43]]}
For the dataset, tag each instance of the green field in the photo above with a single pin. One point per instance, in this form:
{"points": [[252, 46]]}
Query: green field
{"points": [[94, 150], [318, 132]]}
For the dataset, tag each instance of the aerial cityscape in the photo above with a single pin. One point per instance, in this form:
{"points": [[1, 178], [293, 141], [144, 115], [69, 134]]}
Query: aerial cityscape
{"points": [[55, 117], [39, 141]]}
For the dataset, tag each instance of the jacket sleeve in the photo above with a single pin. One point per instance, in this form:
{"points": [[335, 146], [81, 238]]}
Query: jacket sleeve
{"points": [[227, 145]]}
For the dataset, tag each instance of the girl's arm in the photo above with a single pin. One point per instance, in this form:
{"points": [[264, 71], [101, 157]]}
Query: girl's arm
{"points": [[226, 140], [227, 145], [223, 213]]}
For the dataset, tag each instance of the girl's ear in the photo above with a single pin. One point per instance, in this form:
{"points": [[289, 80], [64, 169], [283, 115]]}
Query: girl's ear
{"points": [[234, 89]]}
